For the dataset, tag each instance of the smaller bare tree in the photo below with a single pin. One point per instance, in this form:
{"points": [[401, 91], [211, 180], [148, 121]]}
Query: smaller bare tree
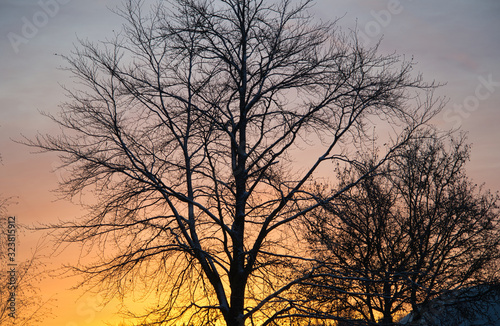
{"points": [[21, 303], [406, 234]]}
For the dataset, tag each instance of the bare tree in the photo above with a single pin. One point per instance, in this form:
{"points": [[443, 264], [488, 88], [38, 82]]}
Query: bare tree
{"points": [[21, 302], [187, 128], [410, 232]]}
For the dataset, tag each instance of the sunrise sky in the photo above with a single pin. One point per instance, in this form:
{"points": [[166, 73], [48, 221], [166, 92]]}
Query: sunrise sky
{"points": [[456, 42]]}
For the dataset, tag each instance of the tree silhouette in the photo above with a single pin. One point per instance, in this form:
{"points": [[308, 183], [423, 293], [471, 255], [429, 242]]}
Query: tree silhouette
{"points": [[188, 128], [410, 232], [21, 303]]}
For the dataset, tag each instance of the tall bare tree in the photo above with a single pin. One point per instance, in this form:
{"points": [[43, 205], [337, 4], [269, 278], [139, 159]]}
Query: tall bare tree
{"points": [[406, 234], [188, 127]]}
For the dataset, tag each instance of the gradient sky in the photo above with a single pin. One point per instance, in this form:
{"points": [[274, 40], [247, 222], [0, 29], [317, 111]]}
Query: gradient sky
{"points": [[456, 42]]}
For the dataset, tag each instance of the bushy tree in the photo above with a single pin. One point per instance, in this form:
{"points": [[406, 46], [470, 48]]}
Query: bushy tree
{"points": [[188, 127], [406, 233]]}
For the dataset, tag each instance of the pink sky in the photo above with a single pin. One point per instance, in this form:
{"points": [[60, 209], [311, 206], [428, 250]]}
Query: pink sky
{"points": [[454, 42]]}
